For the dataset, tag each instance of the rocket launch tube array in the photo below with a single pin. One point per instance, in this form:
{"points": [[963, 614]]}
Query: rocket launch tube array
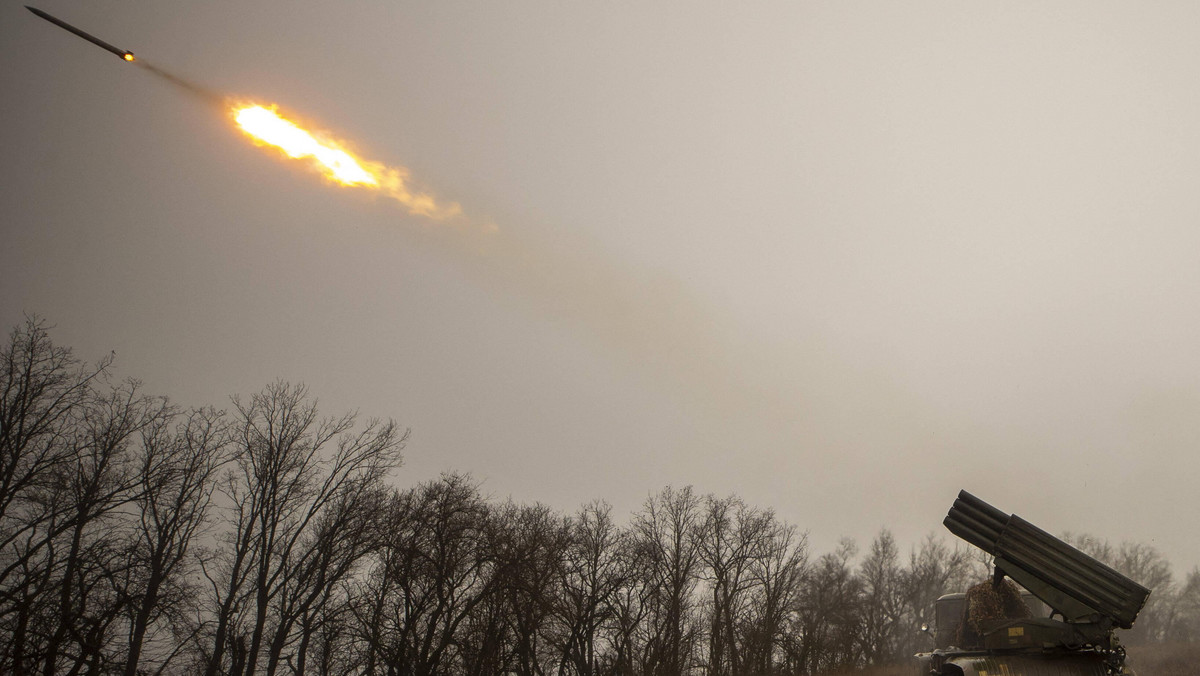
{"points": [[1079, 585]]}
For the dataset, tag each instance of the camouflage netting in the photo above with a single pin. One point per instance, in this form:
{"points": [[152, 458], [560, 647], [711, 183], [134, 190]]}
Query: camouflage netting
{"points": [[986, 603]]}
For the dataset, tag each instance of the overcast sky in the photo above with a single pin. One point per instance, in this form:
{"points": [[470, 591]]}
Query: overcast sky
{"points": [[842, 259]]}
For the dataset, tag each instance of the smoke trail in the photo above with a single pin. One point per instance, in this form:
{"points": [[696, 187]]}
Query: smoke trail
{"points": [[188, 86], [647, 319]]}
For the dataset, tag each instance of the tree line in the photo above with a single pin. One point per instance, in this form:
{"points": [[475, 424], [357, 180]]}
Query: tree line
{"points": [[140, 538]]}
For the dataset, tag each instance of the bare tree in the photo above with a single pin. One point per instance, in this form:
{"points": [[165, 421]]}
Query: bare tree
{"points": [[666, 528], [91, 489], [594, 570], [176, 479], [779, 574], [828, 613], [43, 389], [634, 604], [281, 486], [1186, 628], [48, 402], [883, 625], [530, 543], [436, 567], [343, 535], [732, 538]]}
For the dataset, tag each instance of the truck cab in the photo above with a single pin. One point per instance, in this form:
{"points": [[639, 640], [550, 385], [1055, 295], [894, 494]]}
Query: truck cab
{"points": [[949, 609]]}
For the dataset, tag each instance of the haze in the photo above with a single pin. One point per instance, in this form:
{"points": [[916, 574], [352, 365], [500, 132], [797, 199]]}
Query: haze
{"points": [[842, 259]]}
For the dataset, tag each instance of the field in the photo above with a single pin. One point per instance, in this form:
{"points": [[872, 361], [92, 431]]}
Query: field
{"points": [[1178, 659]]}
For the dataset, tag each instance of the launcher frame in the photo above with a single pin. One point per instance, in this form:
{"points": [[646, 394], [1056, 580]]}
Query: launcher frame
{"points": [[1091, 597]]}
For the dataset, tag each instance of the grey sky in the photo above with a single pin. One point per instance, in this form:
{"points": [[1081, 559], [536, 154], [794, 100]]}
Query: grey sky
{"points": [[840, 258]]}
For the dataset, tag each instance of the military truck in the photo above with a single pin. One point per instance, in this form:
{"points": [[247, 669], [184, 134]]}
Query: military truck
{"points": [[1072, 634]]}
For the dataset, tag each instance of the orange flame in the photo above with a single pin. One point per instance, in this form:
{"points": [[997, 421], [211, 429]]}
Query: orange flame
{"points": [[267, 127]]}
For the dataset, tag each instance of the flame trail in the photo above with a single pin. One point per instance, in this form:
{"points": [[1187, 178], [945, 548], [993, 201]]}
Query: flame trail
{"points": [[267, 127]]}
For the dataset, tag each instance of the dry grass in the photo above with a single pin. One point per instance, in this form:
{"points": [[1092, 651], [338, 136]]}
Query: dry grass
{"points": [[1178, 659], [889, 670]]}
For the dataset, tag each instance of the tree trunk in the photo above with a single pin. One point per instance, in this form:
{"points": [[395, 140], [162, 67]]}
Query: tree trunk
{"points": [[141, 622]]}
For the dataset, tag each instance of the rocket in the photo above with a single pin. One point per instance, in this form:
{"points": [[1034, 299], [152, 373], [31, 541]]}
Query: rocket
{"points": [[124, 54]]}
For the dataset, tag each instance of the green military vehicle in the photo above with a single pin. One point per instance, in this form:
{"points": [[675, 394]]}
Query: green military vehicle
{"points": [[1063, 625]]}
